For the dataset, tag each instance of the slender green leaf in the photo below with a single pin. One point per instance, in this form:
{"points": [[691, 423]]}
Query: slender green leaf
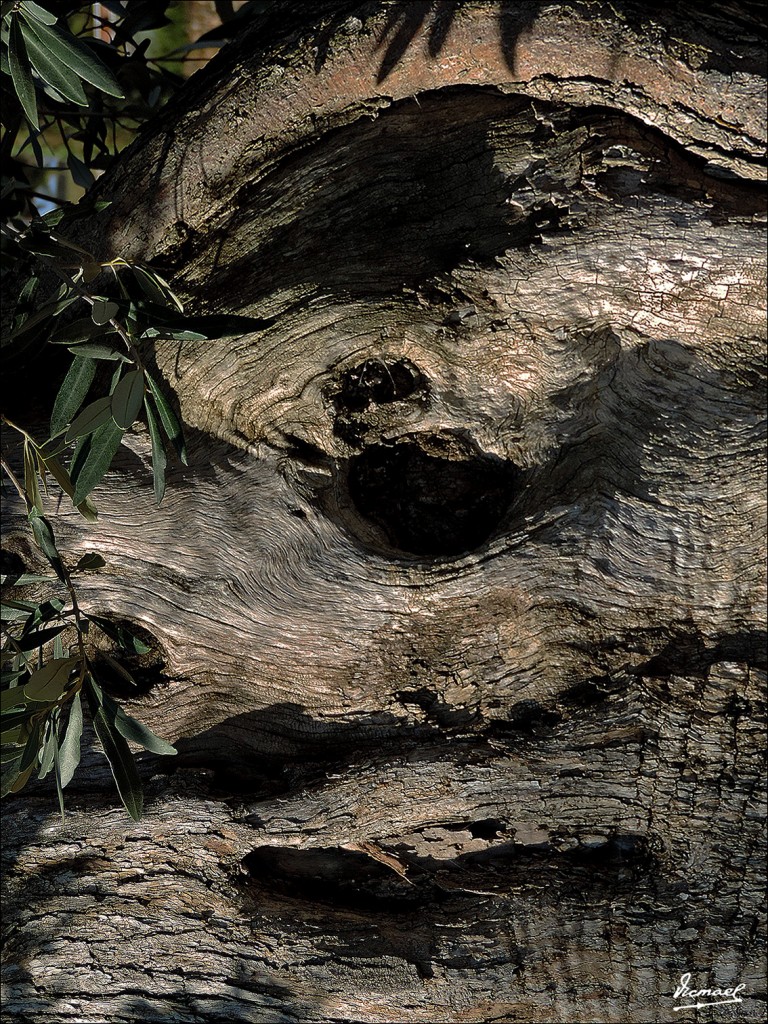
{"points": [[13, 698], [148, 285], [91, 418], [11, 610], [174, 333], [44, 611], [54, 72], [11, 777], [26, 301], [91, 270], [82, 329], [49, 746], [31, 748], [168, 419], [96, 459], [57, 775], [31, 487], [76, 55], [159, 458], [86, 508], [44, 244], [20, 74], [127, 399], [81, 173], [54, 217], [122, 637], [155, 287], [12, 676], [70, 746], [39, 637], [37, 12], [170, 296], [72, 392], [13, 719], [53, 446], [92, 350], [121, 762], [139, 733], [58, 647], [46, 312], [103, 310], [41, 528], [118, 669], [50, 681], [11, 742], [23, 580]]}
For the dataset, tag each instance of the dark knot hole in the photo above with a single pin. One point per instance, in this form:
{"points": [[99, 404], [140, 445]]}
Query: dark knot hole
{"points": [[432, 495]]}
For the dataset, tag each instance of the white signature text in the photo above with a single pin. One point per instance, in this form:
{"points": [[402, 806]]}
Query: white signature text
{"points": [[713, 996]]}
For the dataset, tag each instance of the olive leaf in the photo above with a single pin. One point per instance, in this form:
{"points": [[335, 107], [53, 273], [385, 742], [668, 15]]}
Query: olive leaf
{"points": [[43, 533], [69, 750], [50, 681], [72, 392], [20, 75], [54, 72], [159, 458], [69, 52], [95, 458], [127, 398], [168, 419], [117, 752]]}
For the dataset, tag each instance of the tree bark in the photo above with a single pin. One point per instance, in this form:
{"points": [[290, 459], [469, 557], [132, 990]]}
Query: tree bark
{"points": [[457, 615]]}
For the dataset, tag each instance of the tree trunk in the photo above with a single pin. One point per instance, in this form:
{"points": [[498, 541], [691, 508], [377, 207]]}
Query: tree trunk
{"points": [[457, 615]]}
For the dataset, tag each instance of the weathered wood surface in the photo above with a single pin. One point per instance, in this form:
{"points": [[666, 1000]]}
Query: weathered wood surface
{"points": [[458, 613]]}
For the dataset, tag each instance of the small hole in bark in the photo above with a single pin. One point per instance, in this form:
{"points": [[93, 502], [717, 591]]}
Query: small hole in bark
{"points": [[329, 876], [488, 828], [360, 398], [12, 565], [377, 381], [432, 495], [528, 717]]}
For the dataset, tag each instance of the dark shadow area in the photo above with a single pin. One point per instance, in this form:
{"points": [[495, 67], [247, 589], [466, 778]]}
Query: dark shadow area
{"points": [[289, 735], [388, 203], [700, 23], [689, 653], [405, 21], [432, 495], [344, 880]]}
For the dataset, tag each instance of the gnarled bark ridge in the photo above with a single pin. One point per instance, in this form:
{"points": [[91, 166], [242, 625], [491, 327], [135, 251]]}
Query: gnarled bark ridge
{"points": [[458, 613]]}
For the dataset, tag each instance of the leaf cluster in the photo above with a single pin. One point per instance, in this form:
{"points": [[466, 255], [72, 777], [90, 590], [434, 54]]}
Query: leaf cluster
{"points": [[46, 670], [77, 81]]}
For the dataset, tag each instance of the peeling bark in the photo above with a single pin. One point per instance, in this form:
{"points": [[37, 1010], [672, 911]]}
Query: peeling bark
{"points": [[457, 615]]}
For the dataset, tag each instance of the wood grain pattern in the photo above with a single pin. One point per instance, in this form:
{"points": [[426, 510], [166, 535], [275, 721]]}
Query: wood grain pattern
{"points": [[458, 612]]}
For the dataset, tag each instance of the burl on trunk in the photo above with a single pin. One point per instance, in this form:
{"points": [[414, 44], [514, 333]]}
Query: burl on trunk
{"points": [[457, 615]]}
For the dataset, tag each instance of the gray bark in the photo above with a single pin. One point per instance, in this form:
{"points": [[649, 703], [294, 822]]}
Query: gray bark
{"points": [[458, 613]]}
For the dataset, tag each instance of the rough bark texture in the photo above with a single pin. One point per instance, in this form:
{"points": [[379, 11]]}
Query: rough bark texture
{"points": [[458, 614]]}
